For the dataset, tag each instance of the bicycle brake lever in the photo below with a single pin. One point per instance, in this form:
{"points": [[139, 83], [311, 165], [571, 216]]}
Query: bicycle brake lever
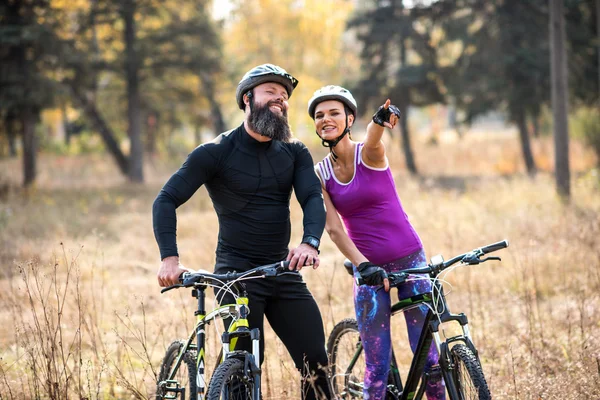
{"points": [[491, 258], [472, 257], [269, 272], [171, 287]]}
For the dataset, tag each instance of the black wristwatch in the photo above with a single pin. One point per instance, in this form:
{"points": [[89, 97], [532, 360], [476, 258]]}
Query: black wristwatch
{"points": [[312, 242]]}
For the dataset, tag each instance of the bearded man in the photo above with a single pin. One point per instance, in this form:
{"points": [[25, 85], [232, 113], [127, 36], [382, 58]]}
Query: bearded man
{"points": [[249, 173]]}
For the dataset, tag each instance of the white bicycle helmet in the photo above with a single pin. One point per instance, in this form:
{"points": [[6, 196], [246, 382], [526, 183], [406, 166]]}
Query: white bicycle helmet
{"points": [[331, 92], [261, 74]]}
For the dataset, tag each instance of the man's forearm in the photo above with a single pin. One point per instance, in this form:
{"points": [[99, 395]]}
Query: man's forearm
{"points": [[314, 217], [164, 221]]}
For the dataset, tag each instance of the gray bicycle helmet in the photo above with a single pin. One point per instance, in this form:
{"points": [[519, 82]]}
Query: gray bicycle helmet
{"points": [[261, 74], [331, 92]]}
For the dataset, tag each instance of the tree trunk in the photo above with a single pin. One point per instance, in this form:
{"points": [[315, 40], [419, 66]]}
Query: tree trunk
{"points": [[151, 128], [404, 104], [11, 135], [65, 124], [171, 131], [526, 145], [136, 172], [197, 134], [535, 122], [215, 107], [28, 121], [598, 41], [406, 146], [93, 115], [558, 68]]}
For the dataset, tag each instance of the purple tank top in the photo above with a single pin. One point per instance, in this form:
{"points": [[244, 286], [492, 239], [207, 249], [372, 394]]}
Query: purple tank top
{"points": [[371, 211]]}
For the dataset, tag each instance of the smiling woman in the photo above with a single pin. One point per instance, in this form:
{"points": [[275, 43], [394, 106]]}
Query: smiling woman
{"points": [[358, 185]]}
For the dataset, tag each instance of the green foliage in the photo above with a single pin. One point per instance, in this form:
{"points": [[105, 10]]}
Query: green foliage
{"points": [[398, 56], [84, 143], [585, 124], [29, 52], [584, 42]]}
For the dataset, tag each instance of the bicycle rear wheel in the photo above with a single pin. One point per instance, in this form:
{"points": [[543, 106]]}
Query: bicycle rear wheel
{"points": [[185, 374], [230, 382], [468, 374], [347, 360]]}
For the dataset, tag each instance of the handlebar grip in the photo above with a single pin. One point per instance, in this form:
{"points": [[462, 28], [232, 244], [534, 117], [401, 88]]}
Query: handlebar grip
{"points": [[494, 246]]}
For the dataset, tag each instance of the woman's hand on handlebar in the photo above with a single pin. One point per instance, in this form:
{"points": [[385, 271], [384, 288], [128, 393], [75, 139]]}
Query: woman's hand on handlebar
{"points": [[373, 275]]}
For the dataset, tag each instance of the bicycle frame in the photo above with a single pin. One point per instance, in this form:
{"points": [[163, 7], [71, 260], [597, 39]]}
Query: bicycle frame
{"points": [[412, 389], [237, 328], [437, 314]]}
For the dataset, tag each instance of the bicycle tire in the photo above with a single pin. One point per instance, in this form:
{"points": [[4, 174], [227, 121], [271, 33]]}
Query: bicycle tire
{"points": [[468, 375], [189, 362], [230, 382], [341, 348]]}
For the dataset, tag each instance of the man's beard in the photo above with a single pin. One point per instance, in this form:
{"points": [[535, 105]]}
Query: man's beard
{"points": [[267, 123]]}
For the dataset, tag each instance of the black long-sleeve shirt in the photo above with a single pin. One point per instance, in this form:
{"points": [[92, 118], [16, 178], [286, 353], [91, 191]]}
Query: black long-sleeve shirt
{"points": [[250, 184]]}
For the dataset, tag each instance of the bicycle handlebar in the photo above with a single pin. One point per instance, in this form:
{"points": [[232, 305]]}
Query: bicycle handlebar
{"points": [[472, 258], [191, 279]]}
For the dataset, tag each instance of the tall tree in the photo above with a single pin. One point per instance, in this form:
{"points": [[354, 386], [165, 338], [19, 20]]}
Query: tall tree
{"points": [[133, 56], [134, 117], [501, 63], [598, 43], [28, 50], [560, 97], [397, 57]]}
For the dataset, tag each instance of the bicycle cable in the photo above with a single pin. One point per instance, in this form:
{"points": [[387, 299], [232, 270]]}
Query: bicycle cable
{"points": [[443, 280]]}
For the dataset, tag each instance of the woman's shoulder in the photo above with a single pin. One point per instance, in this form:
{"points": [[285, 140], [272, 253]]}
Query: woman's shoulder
{"points": [[323, 170]]}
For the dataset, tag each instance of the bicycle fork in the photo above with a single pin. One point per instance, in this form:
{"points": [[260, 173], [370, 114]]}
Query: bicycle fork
{"points": [[240, 328], [448, 368]]}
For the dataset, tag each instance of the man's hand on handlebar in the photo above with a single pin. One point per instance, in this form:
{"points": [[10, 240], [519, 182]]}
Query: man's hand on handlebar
{"points": [[303, 255], [170, 270]]}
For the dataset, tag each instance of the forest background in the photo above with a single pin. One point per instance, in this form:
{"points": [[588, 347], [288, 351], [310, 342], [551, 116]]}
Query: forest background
{"points": [[101, 101]]}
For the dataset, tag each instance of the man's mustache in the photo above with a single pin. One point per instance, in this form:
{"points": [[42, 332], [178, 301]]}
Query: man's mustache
{"points": [[277, 103]]}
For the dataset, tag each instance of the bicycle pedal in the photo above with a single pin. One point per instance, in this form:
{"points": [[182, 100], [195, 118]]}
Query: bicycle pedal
{"points": [[171, 390]]}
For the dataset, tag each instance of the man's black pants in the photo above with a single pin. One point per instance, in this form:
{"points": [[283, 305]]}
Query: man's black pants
{"points": [[295, 317]]}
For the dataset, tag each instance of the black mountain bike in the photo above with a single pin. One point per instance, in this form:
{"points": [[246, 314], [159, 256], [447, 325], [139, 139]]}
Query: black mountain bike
{"points": [[459, 362], [237, 374]]}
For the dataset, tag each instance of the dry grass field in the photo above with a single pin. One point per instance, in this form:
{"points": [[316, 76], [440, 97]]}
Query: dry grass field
{"points": [[82, 316]]}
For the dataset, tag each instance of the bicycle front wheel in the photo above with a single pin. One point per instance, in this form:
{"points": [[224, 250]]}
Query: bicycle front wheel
{"points": [[468, 374], [230, 382], [185, 374], [347, 360]]}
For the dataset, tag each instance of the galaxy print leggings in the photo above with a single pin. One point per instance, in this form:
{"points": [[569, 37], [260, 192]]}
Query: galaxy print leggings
{"points": [[373, 314]]}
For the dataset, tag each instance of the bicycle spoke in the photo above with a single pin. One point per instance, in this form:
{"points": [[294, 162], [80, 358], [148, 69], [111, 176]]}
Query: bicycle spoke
{"points": [[348, 363], [465, 383]]}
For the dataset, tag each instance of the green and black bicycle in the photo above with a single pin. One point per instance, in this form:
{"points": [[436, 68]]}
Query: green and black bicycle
{"points": [[459, 362], [238, 374]]}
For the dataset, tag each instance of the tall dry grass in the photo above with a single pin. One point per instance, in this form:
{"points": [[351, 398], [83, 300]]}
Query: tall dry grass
{"points": [[82, 316]]}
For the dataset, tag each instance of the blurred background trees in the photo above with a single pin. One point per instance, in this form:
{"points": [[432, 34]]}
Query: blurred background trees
{"points": [[141, 78]]}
